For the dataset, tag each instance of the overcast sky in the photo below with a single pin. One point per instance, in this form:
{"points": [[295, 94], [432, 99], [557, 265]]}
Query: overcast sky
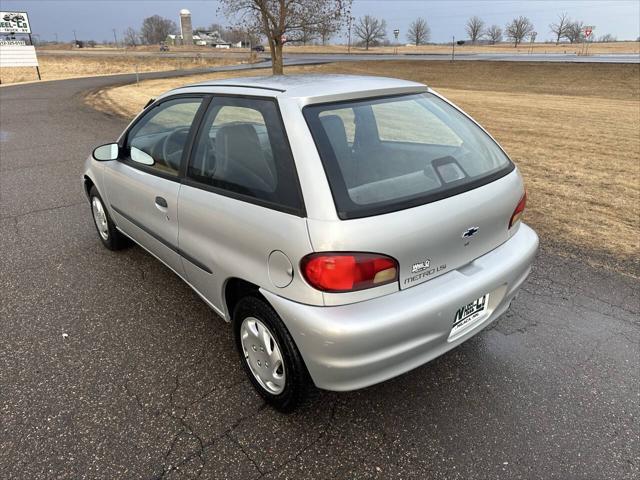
{"points": [[95, 19]]}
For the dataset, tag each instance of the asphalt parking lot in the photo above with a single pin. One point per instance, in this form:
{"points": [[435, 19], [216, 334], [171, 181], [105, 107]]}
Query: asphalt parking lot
{"points": [[111, 367]]}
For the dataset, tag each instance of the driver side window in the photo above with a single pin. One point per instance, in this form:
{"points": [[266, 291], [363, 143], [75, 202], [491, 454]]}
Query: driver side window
{"points": [[160, 137]]}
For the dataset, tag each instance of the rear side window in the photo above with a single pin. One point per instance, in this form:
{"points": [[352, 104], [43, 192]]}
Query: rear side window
{"points": [[386, 154], [242, 149]]}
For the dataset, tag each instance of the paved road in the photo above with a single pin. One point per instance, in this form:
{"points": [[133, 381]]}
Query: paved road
{"points": [[110, 367], [333, 57]]}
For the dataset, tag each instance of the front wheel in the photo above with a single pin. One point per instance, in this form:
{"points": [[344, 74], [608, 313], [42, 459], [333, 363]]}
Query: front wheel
{"points": [[107, 231], [269, 355]]}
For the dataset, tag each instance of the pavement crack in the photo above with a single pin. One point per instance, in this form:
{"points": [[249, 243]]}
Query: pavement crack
{"points": [[134, 396], [246, 454], [309, 445], [31, 212]]}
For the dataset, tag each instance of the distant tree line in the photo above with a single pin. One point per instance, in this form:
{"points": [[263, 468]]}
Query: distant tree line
{"points": [[305, 21], [521, 28], [371, 31]]}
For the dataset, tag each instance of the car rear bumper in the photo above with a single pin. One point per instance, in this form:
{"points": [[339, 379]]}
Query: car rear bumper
{"points": [[353, 346]]}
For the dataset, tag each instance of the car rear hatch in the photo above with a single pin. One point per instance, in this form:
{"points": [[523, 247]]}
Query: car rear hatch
{"points": [[414, 178]]}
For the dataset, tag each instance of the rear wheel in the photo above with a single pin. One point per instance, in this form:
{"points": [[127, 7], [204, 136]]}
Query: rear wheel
{"points": [[107, 231], [269, 355]]}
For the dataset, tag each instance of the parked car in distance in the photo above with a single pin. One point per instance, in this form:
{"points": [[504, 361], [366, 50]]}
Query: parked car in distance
{"points": [[258, 48], [349, 228]]}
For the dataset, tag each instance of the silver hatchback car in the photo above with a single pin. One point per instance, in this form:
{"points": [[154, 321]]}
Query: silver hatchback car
{"points": [[350, 228]]}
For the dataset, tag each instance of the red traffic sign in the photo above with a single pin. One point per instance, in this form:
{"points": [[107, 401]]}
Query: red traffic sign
{"points": [[587, 31]]}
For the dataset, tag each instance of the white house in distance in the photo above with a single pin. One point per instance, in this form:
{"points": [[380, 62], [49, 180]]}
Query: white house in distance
{"points": [[205, 39], [200, 37]]}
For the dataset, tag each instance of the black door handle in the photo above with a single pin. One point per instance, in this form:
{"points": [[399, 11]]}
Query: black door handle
{"points": [[161, 202]]}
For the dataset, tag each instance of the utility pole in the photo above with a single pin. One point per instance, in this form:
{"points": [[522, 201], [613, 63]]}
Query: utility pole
{"points": [[453, 49], [349, 44], [75, 39], [115, 38]]}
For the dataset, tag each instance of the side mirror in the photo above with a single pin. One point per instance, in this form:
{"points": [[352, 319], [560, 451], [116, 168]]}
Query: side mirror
{"points": [[104, 153]]}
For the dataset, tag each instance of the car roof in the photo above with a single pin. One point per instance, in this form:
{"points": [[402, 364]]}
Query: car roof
{"points": [[311, 87]]}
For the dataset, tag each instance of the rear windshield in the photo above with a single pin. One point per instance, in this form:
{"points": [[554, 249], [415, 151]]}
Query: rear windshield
{"points": [[387, 154]]}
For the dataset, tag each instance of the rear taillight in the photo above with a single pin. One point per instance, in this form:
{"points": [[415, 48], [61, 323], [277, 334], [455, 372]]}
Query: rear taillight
{"points": [[517, 213], [348, 272]]}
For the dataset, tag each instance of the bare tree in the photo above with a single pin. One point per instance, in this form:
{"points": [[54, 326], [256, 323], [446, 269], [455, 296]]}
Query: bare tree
{"points": [[518, 29], [419, 32], [370, 30], [327, 28], [277, 19], [559, 29], [607, 38], [494, 32], [305, 34], [130, 37], [574, 32], [474, 28], [155, 29], [235, 35]]}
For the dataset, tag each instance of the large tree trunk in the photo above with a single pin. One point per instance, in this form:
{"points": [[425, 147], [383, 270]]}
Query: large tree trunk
{"points": [[272, 53], [276, 59]]}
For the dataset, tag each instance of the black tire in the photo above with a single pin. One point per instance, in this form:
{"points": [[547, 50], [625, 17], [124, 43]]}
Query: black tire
{"points": [[297, 380], [114, 240]]}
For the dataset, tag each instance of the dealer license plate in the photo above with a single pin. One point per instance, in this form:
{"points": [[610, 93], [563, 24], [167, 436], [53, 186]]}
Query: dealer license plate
{"points": [[470, 313]]}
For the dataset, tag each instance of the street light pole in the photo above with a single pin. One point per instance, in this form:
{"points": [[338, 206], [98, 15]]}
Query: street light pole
{"points": [[115, 38], [75, 39]]}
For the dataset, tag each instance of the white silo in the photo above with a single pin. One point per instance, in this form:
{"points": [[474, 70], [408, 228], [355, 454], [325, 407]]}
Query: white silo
{"points": [[186, 29]]}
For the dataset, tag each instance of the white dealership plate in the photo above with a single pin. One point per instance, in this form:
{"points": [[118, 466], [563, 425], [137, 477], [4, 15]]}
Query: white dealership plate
{"points": [[469, 314]]}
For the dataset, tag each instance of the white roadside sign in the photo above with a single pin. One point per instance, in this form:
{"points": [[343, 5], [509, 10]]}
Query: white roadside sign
{"points": [[18, 56], [14, 22]]}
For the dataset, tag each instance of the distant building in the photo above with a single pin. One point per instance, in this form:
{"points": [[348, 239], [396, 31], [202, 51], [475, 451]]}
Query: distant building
{"points": [[200, 37], [186, 29], [210, 39]]}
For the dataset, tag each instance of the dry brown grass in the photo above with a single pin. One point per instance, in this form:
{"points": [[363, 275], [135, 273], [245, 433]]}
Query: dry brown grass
{"points": [[56, 67], [572, 129]]}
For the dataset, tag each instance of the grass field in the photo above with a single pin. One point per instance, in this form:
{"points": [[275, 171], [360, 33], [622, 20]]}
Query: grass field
{"points": [[55, 67], [572, 129]]}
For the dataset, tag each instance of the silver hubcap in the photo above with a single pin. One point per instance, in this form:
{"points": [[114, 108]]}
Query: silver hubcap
{"points": [[262, 354], [100, 217]]}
